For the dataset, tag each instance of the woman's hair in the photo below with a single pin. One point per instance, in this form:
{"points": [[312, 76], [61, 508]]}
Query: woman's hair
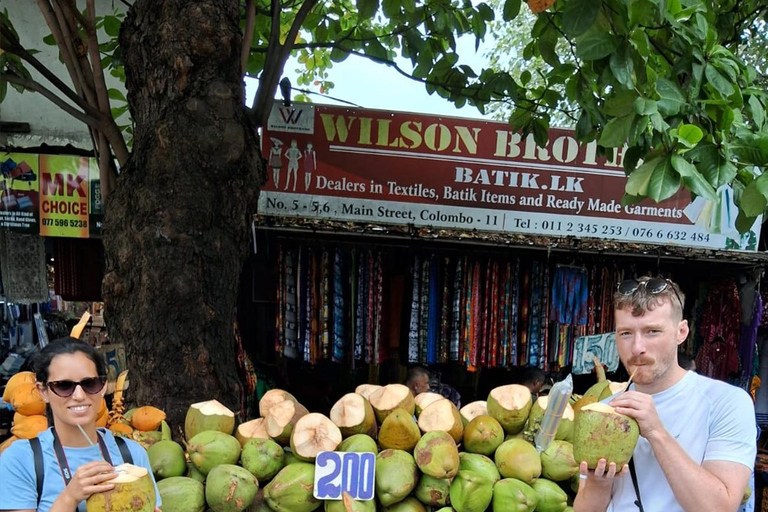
{"points": [[63, 346]]}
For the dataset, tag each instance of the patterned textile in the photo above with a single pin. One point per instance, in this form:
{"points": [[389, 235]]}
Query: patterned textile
{"points": [[325, 306], [749, 338], [433, 327], [445, 314], [339, 307], [721, 329], [602, 346], [570, 296], [446, 391], [413, 326]]}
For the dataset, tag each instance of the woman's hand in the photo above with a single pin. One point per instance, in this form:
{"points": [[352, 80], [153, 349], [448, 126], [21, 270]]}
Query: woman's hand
{"points": [[90, 478]]}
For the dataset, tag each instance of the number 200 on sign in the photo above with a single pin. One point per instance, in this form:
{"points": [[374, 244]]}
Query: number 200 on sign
{"points": [[338, 472]]}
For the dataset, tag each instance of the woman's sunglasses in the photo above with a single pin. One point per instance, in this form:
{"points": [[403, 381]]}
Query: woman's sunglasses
{"points": [[65, 388], [654, 286]]}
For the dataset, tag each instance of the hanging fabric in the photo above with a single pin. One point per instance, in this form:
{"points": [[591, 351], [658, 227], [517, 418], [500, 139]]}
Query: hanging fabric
{"points": [[445, 313], [413, 326], [458, 296], [339, 307]]}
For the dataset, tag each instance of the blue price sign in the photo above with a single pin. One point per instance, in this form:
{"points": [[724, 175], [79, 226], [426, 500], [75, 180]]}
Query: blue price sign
{"points": [[338, 472]]}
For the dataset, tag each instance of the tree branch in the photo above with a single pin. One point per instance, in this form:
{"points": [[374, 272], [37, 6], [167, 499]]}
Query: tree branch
{"points": [[117, 143], [63, 105], [250, 21]]}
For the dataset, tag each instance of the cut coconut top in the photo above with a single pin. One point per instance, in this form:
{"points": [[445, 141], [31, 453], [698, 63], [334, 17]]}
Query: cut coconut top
{"points": [[474, 409], [598, 407], [617, 387], [271, 398], [349, 411], [127, 473], [423, 400], [543, 402], [254, 428], [315, 433], [512, 397], [366, 390], [438, 416], [280, 415], [389, 397], [213, 408]]}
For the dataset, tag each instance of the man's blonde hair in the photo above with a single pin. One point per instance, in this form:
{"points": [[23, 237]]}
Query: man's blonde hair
{"points": [[641, 300]]}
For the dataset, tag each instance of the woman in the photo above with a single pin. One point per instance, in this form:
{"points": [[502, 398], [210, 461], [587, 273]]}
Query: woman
{"points": [[71, 378]]}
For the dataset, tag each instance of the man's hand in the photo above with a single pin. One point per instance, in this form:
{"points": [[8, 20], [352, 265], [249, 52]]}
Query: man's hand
{"points": [[595, 486], [640, 407]]}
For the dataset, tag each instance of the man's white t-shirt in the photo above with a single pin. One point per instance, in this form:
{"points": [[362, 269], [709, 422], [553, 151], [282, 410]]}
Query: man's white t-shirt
{"points": [[711, 420]]}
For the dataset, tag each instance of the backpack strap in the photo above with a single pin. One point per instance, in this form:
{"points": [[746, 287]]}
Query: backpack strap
{"points": [[124, 451], [633, 474], [37, 452]]}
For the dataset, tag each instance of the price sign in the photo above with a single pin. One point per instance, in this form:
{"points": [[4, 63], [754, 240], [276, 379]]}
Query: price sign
{"points": [[339, 472]]}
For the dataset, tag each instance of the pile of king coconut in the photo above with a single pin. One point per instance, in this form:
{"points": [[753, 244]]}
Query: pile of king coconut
{"points": [[429, 455]]}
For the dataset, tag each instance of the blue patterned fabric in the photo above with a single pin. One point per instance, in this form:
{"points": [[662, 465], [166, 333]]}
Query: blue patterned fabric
{"points": [[603, 346]]}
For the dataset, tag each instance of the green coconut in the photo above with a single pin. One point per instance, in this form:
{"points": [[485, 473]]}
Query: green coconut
{"points": [[209, 415], [132, 491], [472, 410], [259, 503], [167, 459], [600, 432], [291, 489], [263, 458], [399, 431], [353, 414], [557, 462], [356, 506], [549, 496], [437, 455], [483, 435], [387, 399], [479, 464], [433, 492], [290, 457], [409, 504], [513, 495], [194, 473], [396, 476], [230, 488], [210, 448], [471, 491], [181, 494], [518, 459], [359, 443], [510, 405]]}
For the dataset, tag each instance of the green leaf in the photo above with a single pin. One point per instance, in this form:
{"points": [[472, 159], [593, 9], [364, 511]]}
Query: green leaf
{"points": [[693, 179], [718, 81], [595, 46], [672, 98], [751, 149], [622, 66], [637, 183], [743, 222], [758, 112], [112, 26], [689, 134], [49, 40], [616, 132], [116, 94], [579, 16], [511, 9], [712, 164], [645, 107], [621, 104], [754, 199], [547, 44], [642, 12], [367, 8], [664, 181]]}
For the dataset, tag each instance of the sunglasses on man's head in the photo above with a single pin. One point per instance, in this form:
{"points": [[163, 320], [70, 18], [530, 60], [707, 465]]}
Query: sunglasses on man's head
{"points": [[65, 388], [653, 286]]}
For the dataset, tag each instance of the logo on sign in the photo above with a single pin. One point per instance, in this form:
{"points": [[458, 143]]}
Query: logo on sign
{"points": [[340, 472], [294, 119]]}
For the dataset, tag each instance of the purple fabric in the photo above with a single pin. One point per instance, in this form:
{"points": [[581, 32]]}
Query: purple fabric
{"points": [[749, 338]]}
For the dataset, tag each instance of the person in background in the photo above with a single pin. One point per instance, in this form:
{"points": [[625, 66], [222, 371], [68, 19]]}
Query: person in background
{"points": [[533, 378], [419, 381], [697, 435], [71, 378], [686, 362]]}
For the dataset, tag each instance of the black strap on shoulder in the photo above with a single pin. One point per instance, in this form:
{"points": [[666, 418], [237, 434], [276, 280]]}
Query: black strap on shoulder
{"points": [[124, 451], [633, 474], [37, 452]]}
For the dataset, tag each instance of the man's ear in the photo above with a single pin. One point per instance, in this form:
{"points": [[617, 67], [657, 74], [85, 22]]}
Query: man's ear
{"points": [[682, 331]]}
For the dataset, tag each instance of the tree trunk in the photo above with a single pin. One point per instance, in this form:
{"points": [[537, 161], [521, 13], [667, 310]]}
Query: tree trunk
{"points": [[177, 227]]}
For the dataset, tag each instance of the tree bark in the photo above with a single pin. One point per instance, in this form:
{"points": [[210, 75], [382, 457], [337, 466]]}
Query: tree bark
{"points": [[177, 227]]}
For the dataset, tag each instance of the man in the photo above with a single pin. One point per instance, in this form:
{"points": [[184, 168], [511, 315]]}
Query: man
{"points": [[533, 378], [696, 449], [418, 381]]}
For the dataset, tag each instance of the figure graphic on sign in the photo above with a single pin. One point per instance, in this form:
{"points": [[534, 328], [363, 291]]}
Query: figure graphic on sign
{"points": [[275, 160], [292, 154], [310, 164]]}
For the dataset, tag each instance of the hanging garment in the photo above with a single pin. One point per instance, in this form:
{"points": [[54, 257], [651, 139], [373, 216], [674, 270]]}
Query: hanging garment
{"points": [[445, 314], [361, 306], [602, 346], [493, 337], [370, 312], [535, 311], [570, 296], [290, 320], [720, 327], [544, 345], [424, 311], [749, 338], [379, 308], [504, 324], [433, 327], [325, 310], [280, 338], [339, 307], [456, 317], [413, 325], [514, 317]]}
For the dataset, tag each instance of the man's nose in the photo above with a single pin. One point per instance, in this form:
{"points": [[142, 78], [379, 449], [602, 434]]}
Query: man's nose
{"points": [[638, 345]]}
